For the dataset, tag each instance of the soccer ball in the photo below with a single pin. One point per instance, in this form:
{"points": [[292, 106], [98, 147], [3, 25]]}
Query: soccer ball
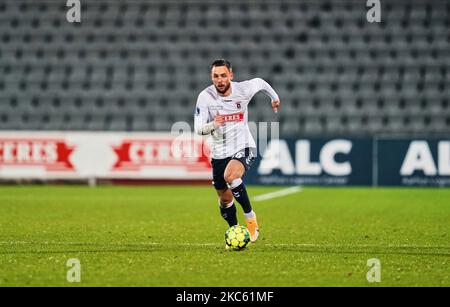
{"points": [[237, 237]]}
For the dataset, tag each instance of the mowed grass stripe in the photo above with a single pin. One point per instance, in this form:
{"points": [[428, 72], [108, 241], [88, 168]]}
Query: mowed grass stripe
{"points": [[36, 247]]}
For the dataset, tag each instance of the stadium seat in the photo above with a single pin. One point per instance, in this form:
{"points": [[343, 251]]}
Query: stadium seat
{"points": [[128, 63]]}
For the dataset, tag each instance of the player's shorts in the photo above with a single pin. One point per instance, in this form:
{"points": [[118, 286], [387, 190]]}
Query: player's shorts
{"points": [[245, 156]]}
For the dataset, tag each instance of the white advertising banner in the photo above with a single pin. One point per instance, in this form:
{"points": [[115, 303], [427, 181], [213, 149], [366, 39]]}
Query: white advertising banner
{"points": [[103, 155]]}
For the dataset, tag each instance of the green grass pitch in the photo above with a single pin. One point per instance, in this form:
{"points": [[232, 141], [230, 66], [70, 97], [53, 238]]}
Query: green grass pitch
{"points": [[174, 236]]}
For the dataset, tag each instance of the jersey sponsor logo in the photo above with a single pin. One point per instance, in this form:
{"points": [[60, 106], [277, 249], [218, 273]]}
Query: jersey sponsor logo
{"points": [[236, 117], [53, 154]]}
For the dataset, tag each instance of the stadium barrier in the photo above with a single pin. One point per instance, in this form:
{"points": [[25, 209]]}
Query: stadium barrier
{"points": [[168, 157], [104, 155], [357, 162]]}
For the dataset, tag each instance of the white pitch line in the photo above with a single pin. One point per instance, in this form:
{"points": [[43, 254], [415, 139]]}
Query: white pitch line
{"points": [[276, 194]]}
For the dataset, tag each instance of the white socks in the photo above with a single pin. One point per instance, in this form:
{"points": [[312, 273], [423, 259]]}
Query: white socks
{"points": [[250, 215], [235, 183], [226, 206]]}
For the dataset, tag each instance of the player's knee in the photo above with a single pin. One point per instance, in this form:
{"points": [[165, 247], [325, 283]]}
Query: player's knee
{"points": [[229, 178], [225, 200]]}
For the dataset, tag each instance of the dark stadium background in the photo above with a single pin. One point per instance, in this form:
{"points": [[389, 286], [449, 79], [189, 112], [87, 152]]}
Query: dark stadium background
{"points": [[362, 104], [138, 66]]}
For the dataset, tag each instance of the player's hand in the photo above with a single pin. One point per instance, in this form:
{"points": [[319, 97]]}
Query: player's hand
{"points": [[275, 106], [219, 120]]}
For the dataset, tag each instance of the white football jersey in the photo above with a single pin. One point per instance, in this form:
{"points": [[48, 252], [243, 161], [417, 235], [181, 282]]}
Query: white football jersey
{"points": [[234, 135]]}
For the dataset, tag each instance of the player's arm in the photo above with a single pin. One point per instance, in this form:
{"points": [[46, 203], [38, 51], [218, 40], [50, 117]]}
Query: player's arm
{"points": [[201, 118], [258, 84]]}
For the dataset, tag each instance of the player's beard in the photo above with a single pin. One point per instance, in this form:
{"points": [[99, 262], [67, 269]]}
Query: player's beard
{"points": [[226, 88]]}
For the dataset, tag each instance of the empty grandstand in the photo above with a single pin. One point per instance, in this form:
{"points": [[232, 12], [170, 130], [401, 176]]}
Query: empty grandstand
{"points": [[138, 65]]}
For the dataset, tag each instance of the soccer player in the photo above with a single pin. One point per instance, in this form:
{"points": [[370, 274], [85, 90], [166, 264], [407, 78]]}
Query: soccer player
{"points": [[222, 112]]}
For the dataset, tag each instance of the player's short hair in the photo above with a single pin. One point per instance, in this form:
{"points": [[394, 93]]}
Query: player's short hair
{"points": [[221, 62]]}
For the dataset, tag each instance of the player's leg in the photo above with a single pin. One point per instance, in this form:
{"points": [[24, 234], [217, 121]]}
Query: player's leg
{"points": [[226, 203], [234, 172], [233, 176], [227, 207]]}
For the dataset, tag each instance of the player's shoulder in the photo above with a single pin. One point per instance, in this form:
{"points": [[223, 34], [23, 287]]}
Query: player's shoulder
{"points": [[249, 82], [246, 86], [207, 94]]}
